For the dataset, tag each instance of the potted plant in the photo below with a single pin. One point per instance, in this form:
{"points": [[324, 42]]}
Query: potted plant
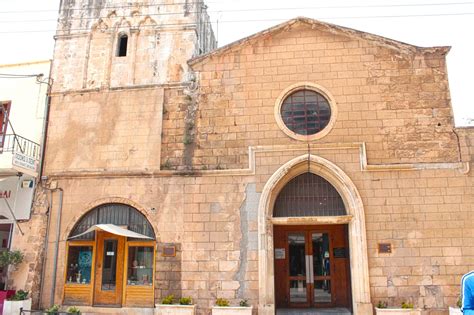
{"points": [[456, 310], [53, 309], [15, 303], [74, 310], [168, 307], [406, 308], [222, 307], [8, 258]]}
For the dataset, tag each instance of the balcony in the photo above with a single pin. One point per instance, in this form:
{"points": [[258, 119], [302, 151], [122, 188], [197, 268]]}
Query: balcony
{"points": [[18, 154]]}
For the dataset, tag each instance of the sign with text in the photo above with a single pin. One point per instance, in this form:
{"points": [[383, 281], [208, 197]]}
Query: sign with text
{"points": [[279, 253], [28, 164], [16, 195]]}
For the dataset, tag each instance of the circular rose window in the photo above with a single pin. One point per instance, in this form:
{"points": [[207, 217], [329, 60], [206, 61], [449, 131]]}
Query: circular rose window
{"points": [[305, 112]]}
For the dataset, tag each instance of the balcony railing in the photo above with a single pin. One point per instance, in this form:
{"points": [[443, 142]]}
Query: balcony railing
{"points": [[16, 143]]}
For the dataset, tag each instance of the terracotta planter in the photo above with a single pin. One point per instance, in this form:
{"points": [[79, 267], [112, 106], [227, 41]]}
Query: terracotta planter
{"points": [[231, 310], [454, 311], [171, 309], [13, 307], [398, 311]]}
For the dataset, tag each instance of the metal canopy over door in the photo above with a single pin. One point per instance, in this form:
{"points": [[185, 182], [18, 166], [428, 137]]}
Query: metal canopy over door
{"points": [[312, 266], [109, 269]]}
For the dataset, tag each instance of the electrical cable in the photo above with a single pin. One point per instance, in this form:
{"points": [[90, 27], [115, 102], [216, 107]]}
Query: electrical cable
{"points": [[257, 20], [247, 10], [18, 76], [219, 2]]}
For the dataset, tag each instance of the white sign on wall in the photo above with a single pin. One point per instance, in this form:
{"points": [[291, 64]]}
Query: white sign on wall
{"points": [[24, 161], [16, 192]]}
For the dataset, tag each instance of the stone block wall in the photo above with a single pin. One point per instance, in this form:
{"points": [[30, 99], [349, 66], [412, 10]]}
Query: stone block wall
{"points": [[111, 130], [392, 96], [168, 151], [212, 219]]}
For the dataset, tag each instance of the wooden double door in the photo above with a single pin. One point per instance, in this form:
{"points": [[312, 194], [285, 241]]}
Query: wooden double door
{"points": [[312, 266]]}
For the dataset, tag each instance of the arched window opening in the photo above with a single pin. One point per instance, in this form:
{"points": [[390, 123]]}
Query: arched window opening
{"points": [[107, 262], [308, 195], [122, 45], [118, 214]]}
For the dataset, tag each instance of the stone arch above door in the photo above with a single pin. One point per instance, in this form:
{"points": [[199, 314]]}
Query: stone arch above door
{"points": [[355, 218]]}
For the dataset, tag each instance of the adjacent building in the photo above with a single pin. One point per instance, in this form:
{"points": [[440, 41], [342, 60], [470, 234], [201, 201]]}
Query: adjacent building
{"points": [[306, 166], [23, 103]]}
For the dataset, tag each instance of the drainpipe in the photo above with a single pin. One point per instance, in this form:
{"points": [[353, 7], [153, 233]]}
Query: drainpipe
{"points": [[56, 247], [46, 238], [49, 82]]}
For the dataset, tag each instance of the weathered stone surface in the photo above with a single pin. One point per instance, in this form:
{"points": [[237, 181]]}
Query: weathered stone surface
{"points": [[179, 153]]}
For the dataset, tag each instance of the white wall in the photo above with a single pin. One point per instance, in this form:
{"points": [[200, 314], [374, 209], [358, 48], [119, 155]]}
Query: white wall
{"points": [[28, 101], [28, 98]]}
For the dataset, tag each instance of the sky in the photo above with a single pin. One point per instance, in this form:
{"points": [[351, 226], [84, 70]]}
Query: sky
{"points": [[27, 29]]}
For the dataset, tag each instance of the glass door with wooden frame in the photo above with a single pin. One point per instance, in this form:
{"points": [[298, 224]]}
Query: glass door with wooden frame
{"points": [[320, 267], [298, 271], [309, 272], [109, 270]]}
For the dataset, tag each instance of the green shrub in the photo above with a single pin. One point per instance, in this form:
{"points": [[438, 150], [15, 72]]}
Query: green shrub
{"points": [[382, 304], [10, 257], [244, 303], [185, 301], [459, 302], [73, 310], [407, 305], [20, 295], [168, 299], [53, 309], [222, 302]]}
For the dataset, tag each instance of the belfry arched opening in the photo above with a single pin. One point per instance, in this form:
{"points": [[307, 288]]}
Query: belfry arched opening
{"points": [[111, 259], [311, 261]]}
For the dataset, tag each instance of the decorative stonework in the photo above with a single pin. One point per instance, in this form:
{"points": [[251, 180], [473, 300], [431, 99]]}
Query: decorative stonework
{"points": [[305, 86], [357, 234]]}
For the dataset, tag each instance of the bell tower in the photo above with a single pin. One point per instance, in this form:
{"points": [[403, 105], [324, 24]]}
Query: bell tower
{"points": [[102, 44]]}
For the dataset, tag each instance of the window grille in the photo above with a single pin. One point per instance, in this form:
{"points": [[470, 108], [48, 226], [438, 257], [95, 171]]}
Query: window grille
{"points": [[305, 112], [308, 195], [118, 214]]}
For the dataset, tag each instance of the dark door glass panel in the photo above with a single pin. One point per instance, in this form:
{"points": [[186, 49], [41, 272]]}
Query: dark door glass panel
{"points": [[298, 291], [322, 291], [321, 257], [109, 269], [297, 263]]}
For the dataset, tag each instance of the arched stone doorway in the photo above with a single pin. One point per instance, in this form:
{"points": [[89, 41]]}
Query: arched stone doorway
{"points": [[110, 258], [354, 218]]}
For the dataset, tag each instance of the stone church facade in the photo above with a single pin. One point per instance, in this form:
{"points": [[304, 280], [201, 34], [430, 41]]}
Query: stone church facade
{"points": [[308, 165]]}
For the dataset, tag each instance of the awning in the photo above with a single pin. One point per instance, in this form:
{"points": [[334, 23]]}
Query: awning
{"points": [[113, 229]]}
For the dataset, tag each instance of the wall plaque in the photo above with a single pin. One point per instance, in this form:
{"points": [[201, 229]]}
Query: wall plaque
{"points": [[169, 251], [339, 252], [279, 253], [385, 248]]}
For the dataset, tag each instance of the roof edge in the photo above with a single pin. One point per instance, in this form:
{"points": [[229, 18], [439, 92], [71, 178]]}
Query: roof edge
{"points": [[332, 28]]}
